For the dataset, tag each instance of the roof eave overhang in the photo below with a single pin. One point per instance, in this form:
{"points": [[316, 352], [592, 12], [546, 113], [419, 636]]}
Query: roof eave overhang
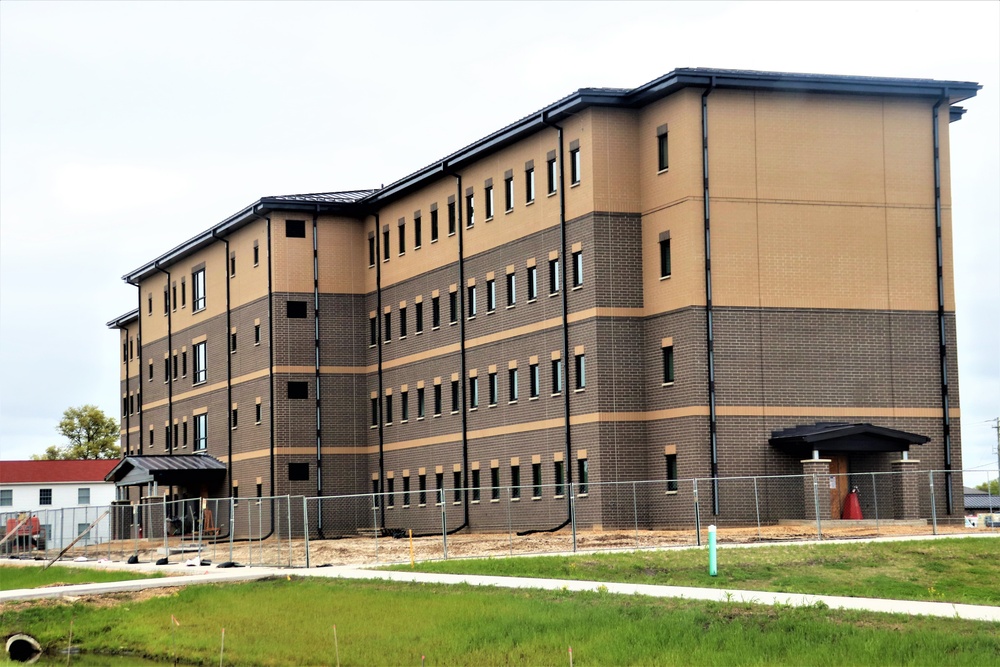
{"points": [[123, 321]]}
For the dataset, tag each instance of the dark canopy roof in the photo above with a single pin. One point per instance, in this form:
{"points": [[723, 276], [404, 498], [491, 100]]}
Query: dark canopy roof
{"points": [[843, 437], [186, 470]]}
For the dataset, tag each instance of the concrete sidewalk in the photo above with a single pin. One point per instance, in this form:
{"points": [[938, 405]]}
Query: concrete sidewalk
{"points": [[181, 575]]}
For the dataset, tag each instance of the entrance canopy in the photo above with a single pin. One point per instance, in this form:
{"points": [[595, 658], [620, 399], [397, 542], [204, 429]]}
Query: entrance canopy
{"points": [[842, 437], [188, 470]]}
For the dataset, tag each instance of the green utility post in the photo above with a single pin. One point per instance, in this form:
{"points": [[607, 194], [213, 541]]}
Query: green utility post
{"points": [[713, 565]]}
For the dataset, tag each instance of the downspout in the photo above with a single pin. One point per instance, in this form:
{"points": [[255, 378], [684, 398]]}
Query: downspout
{"points": [[463, 366], [378, 348], [128, 416], [270, 368], [170, 347], [564, 269], [138, 351], [229, 367], [710, 334], [319, 422], [942, 337]]}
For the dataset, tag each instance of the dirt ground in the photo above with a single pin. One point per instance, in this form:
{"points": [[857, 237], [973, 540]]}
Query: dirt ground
{"points": [[383, 550]]}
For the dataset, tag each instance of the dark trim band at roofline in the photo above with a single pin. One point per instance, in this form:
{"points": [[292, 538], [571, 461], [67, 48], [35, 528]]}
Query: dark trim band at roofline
{"points": [[354, 204]]}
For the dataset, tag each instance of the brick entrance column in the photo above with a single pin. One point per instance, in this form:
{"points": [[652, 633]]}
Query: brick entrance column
{"points": [[906, 489], [820, 468]]}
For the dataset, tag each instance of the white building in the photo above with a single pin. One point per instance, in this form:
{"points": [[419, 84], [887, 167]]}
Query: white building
{"points": [[66, 496]]}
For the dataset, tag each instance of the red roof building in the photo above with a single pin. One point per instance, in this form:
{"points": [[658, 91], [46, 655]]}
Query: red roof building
{"points": [[41, 472]]}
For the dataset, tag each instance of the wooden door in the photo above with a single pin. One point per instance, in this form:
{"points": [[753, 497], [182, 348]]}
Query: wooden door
{"points": [[838, 484]]}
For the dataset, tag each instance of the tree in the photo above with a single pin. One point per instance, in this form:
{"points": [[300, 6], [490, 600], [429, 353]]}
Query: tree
{"points": [[91, 435], [994, 487]]}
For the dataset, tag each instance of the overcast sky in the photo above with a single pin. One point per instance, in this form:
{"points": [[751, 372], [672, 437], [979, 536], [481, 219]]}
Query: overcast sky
{"points": [[126, 128]]}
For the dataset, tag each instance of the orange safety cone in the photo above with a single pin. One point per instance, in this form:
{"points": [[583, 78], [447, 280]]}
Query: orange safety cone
{"points": [[852, 507]]}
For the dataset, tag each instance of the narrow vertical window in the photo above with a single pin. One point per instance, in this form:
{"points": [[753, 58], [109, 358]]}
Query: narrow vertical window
{"points": [[457, 487], [554, 279], [452, 217], [232, 343], [232, 265], [577, 269], [439, 488], [512, 384], [183, 292], [402, 322], [662, 161], [371, 250], [234, 418], [166, 300], [372, 331], [387, 327], [494, 389], [515, 482], [200, 363], [184, 363], [256, 334], [536, 481], [150, 370], [435, 312], [556, 376], [532, 283], [581, 371], [375, 411], [583, 476], [406, 491], [390, 492], [166, 369], [473, 393], [434, 224], [491, 295], [385, 243], [198, 289], [494, 483], [508, 191], [200, 432], [574, 164], [455, 398], [553, 172], [529, 182], [402, 236], [437, 400], [149, 302], [472, 301], [668, 364], [418, 234], [665, 255], [419, 324], [671, 463], [535, 380], [404, 405], [470, 208], [388, 409], [475, 485], [557, 473], [375, 493], [256, 254], [420, 402], [258, 413], [173, 289], [511, 289], [453, 306], [488, 199], [174, 359], [422, 497]]}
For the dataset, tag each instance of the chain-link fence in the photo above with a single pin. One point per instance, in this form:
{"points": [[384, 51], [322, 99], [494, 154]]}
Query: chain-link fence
{"points": [[447, 522]]}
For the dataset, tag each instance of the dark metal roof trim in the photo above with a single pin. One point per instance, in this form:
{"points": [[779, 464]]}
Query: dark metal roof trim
{"points": [[122, 320], [821, 431], [166, 464]]}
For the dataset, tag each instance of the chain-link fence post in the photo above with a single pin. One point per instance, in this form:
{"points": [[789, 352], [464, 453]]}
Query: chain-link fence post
{"points": [[166, 541], [510, 527], [305, 526], [819, 520], [635, 514], [697, 513], [875, 502], [288, 513], [232, 525], [756, 504], [375, 524], [572, 511], [933, 504], [444, 523]]}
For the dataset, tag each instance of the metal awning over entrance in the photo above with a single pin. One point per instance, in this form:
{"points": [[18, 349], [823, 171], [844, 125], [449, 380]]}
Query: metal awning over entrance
{"points": [[843, 437], [188, 471]]}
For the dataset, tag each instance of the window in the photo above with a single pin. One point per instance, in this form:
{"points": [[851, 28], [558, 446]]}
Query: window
{"points": [[553, 173], [665, 257], [435, 312], [532, 283], [533, 374], [374, 411], [494, 389], [183, 292], [556, 376], [404, 403], [166, 437], [149, 303], [473, 393], [475, 486], [295, 229], [184, 432], [200, 432], [577, 269], [298, 389], [83, 496], [454, 396], [420, 402], [662, 162], [173, 288], [151, 370], [166, 369], [434, 224], [422, 497], [385, 243], [406, 491], [256, 334], [388, 409], [491, 295], [7, 498], [166, 300], [453, 305], [671, 461], [583, 476], [488, 195], [554, 281], [417, 232], [232, 342], [536, 480], [557, 473], [508, 192], [581, 371], [174, 364], [298, 472], [457, 487], [511, 289], [420, 316], [184, 363], [437, 400], [494, 483], [176, 440], [198, 290], [452, 217], [124, 352], [439, 488], [297, 310], [470, 209], [387, 327], [529, 183], [402, 237], [232, 265], [371, 250], [402, 322], [372, 331], [391, 492], [668, 364], [258, 413], [574, 166], [256, 253], [472, 301], [200, 362], [515, 482], [512, 384], [151, 432], [375, 493], [234, 419]]}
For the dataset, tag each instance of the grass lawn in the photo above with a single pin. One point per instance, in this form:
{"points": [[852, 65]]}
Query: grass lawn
{"points": [[947, 570], [290, 622], [13, 577]]}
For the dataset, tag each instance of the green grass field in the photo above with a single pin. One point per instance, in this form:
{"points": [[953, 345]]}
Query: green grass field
{"points": [[13, 577], [947, 570], [290, 622]]}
